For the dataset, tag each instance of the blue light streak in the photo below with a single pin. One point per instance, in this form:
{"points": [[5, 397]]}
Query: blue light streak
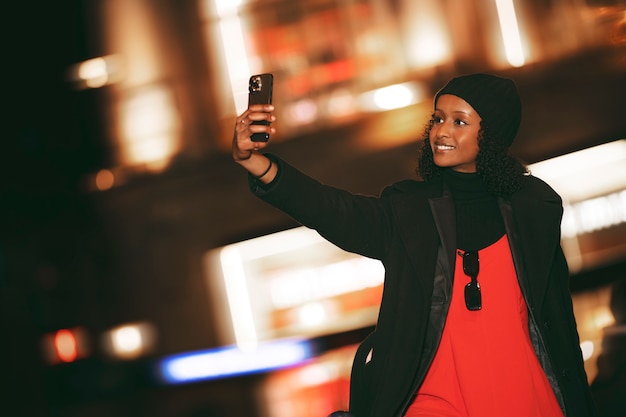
{"points": [[231, 361]]}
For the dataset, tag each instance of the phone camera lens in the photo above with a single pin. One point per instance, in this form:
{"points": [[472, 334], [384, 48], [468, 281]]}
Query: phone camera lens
{"points": [[255, 84]]}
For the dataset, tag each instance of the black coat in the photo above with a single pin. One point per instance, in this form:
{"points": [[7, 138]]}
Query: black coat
{"points": [[411, 228]]}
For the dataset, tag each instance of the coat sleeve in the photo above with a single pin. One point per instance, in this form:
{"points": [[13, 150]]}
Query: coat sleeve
{"points": [[355, 223]]}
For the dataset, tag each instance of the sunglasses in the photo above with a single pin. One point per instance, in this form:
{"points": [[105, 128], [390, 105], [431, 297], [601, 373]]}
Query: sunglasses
{"points": [[473, 299]]}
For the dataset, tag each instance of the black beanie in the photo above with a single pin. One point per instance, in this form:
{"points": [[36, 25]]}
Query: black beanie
{"points": [[494, 98]]}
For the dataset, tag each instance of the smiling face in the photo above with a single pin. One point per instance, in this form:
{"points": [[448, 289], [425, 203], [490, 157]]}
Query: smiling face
{"points": [[454, 134]]}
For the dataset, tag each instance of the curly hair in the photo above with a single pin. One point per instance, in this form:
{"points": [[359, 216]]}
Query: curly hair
{"points": [[501, 171]]}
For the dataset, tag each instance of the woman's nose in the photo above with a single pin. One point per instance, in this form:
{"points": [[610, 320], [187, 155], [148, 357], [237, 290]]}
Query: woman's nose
{"points": [[442, 130]]}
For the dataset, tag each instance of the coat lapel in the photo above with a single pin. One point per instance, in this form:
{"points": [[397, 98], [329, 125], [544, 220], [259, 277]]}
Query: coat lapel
{"points": [[445, 219], [533, 230], [419, 234], [424, 225]]}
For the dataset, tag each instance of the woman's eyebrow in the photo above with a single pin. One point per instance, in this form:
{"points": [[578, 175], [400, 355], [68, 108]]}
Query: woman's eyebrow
{"points": [[463, 112]]}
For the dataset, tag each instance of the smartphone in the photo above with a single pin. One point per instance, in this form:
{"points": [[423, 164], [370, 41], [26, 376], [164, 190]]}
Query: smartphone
{"points": [[260, 87]]}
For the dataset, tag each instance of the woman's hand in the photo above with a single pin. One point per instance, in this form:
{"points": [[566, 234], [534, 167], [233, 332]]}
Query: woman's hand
{"points": [[245, 150], [243, 146]]}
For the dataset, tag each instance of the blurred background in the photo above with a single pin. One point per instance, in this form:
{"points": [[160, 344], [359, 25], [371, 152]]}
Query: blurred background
{"points": [[139, 277]]}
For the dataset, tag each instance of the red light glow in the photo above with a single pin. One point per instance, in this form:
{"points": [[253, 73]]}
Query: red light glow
{"points": [[65, 344]]}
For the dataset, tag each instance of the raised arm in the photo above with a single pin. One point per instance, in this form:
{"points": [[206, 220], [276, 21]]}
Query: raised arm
{"points": [[245, 151]]}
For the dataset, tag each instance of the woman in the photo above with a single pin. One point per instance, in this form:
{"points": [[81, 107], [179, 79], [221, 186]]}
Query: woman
{"points": [[476, 317]]}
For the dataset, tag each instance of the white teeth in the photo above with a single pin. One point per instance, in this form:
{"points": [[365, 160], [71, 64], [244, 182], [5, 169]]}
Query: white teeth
{"points": [[445, 147]]}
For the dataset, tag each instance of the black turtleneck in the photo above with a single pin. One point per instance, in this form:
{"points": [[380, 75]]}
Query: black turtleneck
{"points": [[478, 219]]}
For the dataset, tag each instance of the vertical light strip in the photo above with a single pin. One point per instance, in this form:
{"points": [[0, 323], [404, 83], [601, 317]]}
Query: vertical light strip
{"points": [[510, 32], [234, 48], [238, 299]]}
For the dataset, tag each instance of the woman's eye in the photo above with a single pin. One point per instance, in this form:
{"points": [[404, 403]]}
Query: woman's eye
{"points": [[437, 119], [460, 122]]}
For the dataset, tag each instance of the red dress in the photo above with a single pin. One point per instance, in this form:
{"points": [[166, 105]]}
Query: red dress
{"points": [[485, 365]]}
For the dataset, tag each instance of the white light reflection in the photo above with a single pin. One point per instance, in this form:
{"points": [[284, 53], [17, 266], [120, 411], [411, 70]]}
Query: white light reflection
{"points": [[234, 48], [587, 173], [312, 314], [594, 214], [308, 270], [232, 261], [392, 97], [302, 112], [341, 103], [587, 349], [94, 72], [277, 243], [149, 127], [510, 32], [129, 341], [316, 374], [592, 182], [603, 317], [426, 31], [225, 7], [97, 72], [238, 298], [297, 286]]}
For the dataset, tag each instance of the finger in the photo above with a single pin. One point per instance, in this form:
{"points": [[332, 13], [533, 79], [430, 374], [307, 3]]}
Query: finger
{"points": [[242, 127], [261, 108], [247, 118], [258, 117], [258, 113], [259, 128], [245, 126]]}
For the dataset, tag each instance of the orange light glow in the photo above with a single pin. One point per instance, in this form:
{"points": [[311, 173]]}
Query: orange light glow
{"points": [[104, 179], [65, 344]]}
